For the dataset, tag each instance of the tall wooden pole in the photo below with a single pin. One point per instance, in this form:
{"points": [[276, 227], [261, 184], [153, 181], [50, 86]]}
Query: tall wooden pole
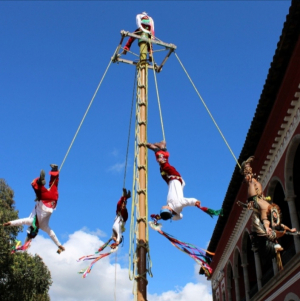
{"points": [[142, 124]]}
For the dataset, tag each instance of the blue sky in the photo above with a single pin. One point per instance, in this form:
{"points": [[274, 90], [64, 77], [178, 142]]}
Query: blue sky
{"points": [[52, 57]]}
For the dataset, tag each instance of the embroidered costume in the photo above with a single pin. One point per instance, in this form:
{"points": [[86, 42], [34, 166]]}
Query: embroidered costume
{"points": [[118, 229], [175, 198], [121, 217], [46, 201]]}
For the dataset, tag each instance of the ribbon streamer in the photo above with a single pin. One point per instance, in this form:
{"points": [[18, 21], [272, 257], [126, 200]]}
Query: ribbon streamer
{"points": [[199, 256], [19, 247], [96, 258]]}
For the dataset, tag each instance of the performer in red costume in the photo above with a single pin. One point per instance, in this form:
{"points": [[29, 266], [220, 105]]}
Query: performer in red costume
{"points": [[46, 201], [121, 218], [146, 24], [175, 199]]}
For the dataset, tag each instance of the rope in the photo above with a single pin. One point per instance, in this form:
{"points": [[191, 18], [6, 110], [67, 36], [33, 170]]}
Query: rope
{"points": [[126, 163], [208, 110], [135, 74], [130, 52], [116, 259], [84, 115], [132, 255], [157, 94], [87, 110]]}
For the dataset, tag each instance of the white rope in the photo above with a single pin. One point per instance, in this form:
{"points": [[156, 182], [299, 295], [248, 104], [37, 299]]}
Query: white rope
{"points": [[212, 118], [87, 110], [158, 100]]}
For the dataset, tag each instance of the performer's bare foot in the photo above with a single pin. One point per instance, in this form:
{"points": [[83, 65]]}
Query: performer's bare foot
{"points": [[60, 249], [6, 224]]}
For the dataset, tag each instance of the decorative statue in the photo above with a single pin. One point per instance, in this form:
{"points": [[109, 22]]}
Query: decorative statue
{"points": [[266, 219]]}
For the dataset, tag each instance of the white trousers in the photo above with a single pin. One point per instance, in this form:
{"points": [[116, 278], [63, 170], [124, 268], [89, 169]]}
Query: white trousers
{"points": [[176, 200], [117, 227], [43, 215]]}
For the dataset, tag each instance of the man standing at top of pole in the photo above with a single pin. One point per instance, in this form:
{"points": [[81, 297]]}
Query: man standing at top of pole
{"points": [[145, 24]]}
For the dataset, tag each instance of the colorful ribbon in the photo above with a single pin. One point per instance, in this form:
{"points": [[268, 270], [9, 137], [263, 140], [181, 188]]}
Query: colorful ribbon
{"points": [[212, 212], [19, 247], [199, 256], [96, 258]]}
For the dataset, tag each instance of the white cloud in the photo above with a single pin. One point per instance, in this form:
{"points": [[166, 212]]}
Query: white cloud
{"points": [[190, 292], [68, 285], [115, 152], [118, 167], [201, 290], [98, 232]]}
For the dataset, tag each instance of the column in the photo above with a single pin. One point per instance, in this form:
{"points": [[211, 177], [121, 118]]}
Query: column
{"points": [[257, 267], [246, 280], [294, 219], [237, 288], [228, 288]]}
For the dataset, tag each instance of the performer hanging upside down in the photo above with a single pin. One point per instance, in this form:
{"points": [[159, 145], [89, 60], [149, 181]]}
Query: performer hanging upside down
{"points": [[175, 199], [46, 201], [121, 218], [118, 229], [146, 24]]}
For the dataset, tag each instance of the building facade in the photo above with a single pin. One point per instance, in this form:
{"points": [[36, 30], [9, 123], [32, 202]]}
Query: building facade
{"points": [[240, 272]]}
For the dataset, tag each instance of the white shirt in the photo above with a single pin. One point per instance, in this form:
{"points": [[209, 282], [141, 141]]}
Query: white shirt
{"points": [[139, 23]]}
